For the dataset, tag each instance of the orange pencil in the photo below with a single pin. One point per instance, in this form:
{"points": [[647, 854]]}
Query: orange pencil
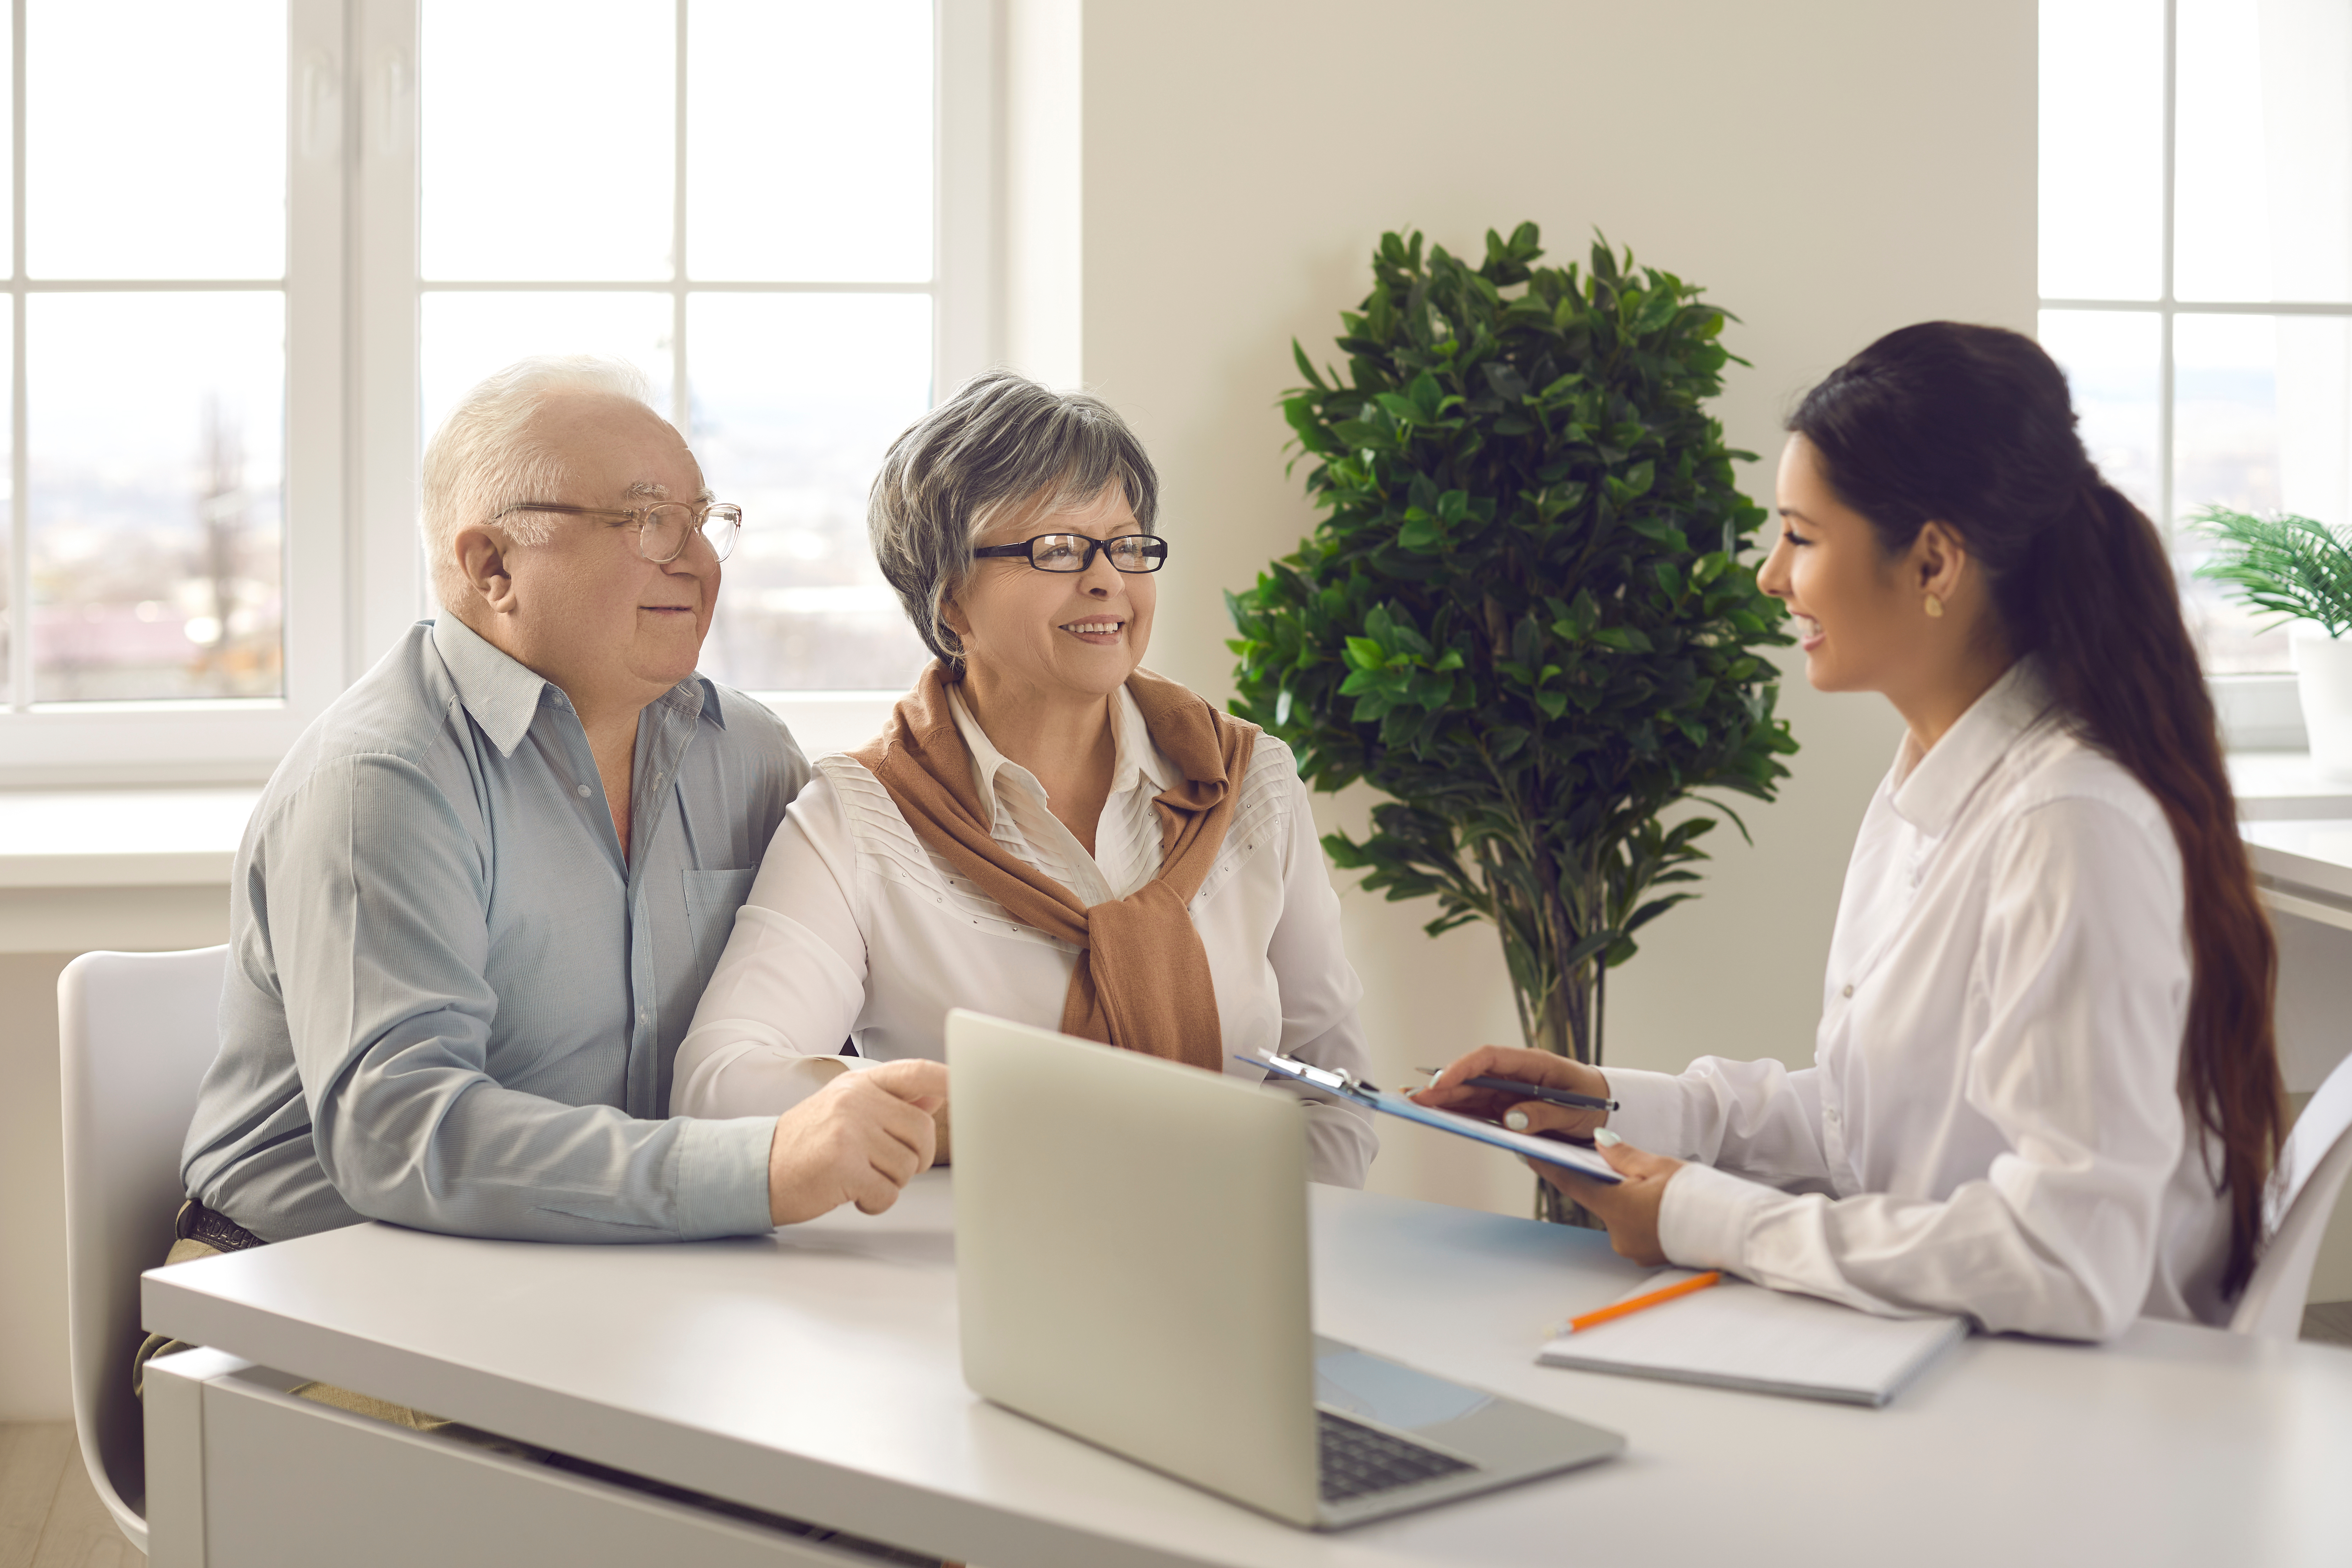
{"points": [[1681, 1288]]}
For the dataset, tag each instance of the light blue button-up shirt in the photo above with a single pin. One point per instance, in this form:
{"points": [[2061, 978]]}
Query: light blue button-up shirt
{"points": [[452, 1001]]}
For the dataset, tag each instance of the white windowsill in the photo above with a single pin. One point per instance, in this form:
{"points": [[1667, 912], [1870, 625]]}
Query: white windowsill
{"points": [[188, 838], [122, 837], [2283, 786]]}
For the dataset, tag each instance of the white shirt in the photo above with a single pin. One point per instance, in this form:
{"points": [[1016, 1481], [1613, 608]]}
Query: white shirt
{"points": [[856, 931], [1993, 1124]]}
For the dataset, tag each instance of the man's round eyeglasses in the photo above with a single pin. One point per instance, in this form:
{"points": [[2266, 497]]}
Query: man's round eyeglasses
{"points": [[664, 529], [1130, 552]]}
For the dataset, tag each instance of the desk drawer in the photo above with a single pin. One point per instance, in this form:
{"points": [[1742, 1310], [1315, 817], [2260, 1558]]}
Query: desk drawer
{"points": [[288, 1483]]}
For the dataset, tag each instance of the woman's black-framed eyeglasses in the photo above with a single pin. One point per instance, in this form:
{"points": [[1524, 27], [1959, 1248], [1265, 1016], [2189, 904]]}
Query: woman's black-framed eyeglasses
{"points": [[662, 529], [1130, 552]]}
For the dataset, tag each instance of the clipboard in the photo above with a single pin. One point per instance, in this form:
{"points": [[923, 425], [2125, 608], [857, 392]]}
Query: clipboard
{"points": [[1344, 1084]]}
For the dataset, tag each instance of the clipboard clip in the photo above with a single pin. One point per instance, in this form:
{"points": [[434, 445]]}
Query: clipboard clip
{"points": [[1339, 1081]]}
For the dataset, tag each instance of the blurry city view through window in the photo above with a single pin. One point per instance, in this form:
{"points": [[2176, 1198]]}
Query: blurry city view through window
{"points": [[750, 227], [147, 561], [2210, 356]]}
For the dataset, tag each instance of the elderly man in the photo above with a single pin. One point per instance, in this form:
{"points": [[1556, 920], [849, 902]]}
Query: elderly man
{"points": [[477, 903]]}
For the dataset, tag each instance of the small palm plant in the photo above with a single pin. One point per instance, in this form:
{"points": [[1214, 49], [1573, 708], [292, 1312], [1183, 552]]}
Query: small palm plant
{"points": [[2292, 566], [2285, 564]]}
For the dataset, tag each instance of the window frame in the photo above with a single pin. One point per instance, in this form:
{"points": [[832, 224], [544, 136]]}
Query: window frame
{"points": [[353, 567], [2257, 713]]}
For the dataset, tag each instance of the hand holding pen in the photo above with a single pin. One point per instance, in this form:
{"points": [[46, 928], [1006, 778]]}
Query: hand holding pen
{"points": [[1527, 1092]]}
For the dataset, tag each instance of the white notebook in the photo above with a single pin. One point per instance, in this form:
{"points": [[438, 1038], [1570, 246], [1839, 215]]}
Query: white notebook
{"points": [[1738, 1335]]}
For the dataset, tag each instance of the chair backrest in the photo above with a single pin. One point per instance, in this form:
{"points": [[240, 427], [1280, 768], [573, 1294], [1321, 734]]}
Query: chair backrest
{"points": [[136, 1031], [2311, 1168]]}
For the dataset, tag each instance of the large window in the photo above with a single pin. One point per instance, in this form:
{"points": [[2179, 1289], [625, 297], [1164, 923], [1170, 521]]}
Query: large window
{"points": [[260, 247], [2196, 260]]}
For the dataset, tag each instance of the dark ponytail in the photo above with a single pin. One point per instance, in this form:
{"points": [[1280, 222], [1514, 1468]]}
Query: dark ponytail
{"points": [[1972, 426]]}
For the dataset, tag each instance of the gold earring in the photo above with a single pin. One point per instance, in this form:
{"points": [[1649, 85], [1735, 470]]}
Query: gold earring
{"points": [[1935, 607]]}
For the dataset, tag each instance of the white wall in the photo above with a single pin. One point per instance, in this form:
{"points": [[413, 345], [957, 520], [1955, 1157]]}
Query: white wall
{"points": [[32, 1172], [1827, 169]]}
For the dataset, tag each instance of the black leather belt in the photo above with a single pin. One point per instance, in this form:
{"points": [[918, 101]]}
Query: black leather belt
{"points": [[198, 1223]]}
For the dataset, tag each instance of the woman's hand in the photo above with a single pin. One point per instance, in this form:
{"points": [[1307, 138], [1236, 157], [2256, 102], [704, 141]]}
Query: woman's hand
{"points": [[1630, 1208], [1450, 1091]]}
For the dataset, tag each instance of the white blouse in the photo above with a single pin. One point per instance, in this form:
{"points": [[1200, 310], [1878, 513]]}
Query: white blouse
{"points": [[1993, 1124], [856, 931]]}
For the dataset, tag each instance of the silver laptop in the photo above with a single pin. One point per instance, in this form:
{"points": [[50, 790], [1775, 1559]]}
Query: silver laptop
{"points": [[1131, 1256]]}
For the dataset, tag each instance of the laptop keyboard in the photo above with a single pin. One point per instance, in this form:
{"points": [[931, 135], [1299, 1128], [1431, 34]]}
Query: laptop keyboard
{"points": [[1359, 1460]]}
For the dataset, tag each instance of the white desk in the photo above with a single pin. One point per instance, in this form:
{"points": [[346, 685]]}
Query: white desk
{"points": [[814, 1374]]}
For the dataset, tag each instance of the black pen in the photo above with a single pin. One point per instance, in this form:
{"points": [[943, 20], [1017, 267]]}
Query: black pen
{"points": [[1534, 1091]]}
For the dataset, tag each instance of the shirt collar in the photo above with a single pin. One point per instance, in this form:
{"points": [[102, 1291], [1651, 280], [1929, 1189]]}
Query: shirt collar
{"points": [[1931, 787], [503, 694], [1133, 753]]}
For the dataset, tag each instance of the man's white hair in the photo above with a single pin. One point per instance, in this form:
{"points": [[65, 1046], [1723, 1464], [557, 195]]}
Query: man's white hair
{"points": [[485, 457]]}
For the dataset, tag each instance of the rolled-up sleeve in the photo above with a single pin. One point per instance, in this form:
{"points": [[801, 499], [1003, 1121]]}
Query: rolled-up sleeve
{"points": [[375, 915], [1758, 1119]]}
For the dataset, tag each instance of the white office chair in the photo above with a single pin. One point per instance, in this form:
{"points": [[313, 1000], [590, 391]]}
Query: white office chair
{"points": [[136, 1031], [2317, 1157]]}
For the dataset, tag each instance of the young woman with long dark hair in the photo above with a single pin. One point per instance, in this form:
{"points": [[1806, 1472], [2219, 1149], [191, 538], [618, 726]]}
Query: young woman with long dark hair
{"points": [[2045, 1090]]}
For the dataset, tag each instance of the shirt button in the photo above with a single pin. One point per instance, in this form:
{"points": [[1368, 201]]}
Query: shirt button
{"points": [[581, 790], [642, 1015], [1831, 1117], [1848, 991]]}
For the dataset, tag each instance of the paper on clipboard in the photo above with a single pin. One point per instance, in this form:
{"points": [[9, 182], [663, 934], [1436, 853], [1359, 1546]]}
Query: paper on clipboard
{"points": [[1552, 1151]]}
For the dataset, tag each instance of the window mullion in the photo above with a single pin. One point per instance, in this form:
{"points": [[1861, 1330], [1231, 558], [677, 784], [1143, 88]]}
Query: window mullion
{"points": [[2164, 466], [681, 400], [965, 183], [388, 591], [19, 603], [317, 558]]}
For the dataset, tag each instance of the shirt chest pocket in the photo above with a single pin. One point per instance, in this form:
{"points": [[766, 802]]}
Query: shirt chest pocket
{"points": [[711, 900]]}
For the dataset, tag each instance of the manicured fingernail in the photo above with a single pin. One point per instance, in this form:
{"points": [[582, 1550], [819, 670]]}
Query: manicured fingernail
{"points": [[1516, 1120], [1606, 1139]]}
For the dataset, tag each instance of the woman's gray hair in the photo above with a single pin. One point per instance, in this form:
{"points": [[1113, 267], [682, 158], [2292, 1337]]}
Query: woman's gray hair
{"points": [[485, 457], [1000, 441]]}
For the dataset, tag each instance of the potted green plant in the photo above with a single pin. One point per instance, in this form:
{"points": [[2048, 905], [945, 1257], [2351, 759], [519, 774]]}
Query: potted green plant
{"points": [[2296, 567], [1523, 617]]}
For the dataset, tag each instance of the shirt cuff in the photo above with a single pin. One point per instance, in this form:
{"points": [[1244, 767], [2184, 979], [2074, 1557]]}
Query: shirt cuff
{"points": [[1648, 1113], [722, 1177], [1705, 1218]]}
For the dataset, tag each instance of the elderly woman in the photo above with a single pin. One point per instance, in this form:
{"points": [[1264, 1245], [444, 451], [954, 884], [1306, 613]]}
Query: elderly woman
{"points": [[1044, 831]]}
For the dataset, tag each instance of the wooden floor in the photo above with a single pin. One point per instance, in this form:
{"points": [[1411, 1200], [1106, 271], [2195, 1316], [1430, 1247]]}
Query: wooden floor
{"points": [[49, 1517]]}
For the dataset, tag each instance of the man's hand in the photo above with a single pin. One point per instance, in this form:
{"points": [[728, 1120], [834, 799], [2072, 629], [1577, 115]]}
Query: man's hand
{"points": [[857, 1141], [1450, 1091], [1629, 1208]]}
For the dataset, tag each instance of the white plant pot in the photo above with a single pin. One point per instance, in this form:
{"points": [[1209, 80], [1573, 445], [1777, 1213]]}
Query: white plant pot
{"points": [[2323, 670]]}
